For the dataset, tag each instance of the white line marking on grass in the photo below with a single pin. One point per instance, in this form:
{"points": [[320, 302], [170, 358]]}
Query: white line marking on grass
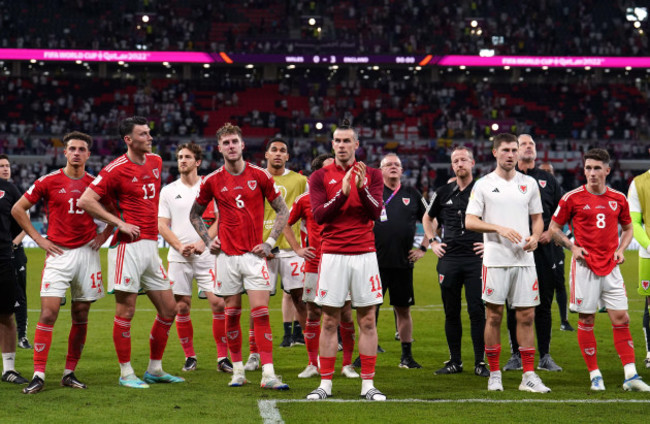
{"points": [[271, 415], [470, 400], [269, 412]]}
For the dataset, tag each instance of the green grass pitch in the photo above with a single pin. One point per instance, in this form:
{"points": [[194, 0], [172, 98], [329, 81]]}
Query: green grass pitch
{"points": [[417, 395]]}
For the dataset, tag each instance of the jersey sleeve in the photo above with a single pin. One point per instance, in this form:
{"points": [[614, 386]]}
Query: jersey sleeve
{"points": [[163, 206], [270, 190], [371, 195], [476, 204], [102, 185], [205, 191], [36, 192], [435, 206], [422, 204], [624, 218], [296, 211], [633, 198], [562, 213], [323, 209], [535, 201]]}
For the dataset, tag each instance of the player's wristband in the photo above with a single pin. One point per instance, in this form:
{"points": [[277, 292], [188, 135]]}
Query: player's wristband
{"points": [[424, 249], [438, 239], [270, 241]]}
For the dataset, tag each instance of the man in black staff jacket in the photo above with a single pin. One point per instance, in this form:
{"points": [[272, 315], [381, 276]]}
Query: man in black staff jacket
{"points": [[549, 261], [460, 253], [9, 195], [394, 233]]}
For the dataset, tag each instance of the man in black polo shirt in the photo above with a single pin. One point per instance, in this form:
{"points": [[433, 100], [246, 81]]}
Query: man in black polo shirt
{"points": [[394, 233], [549, 261], [9, 194], [459, 252]]}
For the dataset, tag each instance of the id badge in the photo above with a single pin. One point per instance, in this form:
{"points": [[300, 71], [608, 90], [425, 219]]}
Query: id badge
{"points": [[383, 217]]}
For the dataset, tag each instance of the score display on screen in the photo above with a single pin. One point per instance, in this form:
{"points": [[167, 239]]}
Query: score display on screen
{"points": [[144, 56]]}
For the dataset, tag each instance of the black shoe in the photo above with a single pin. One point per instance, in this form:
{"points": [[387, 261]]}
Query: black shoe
{"points": [[450, 368], [190, 364], [297, 340], [14, 376], [409, 362], [225, 366], [481, 370], [23, 343], [357, 362], [286, 341], [565, 326], [70, 380], [380, 350], [35, 386]]}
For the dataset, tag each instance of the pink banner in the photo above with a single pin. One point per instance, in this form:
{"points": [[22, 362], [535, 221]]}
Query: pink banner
{"points": [[550, 61], [107, 56]]}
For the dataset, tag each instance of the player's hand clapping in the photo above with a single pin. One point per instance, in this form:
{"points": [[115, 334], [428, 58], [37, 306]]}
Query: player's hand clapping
{"points": [[360, 173]]}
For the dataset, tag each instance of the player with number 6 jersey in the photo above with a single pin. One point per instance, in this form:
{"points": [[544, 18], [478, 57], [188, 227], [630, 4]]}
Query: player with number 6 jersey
{"points": [[72, 260], [239, 189], [594, 212]]}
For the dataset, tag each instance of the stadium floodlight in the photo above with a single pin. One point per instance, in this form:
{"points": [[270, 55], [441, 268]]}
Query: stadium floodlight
{"points": [[206, 65], [291, 67], [312, 21], [486, 52], [319, 126], [462, 67], [637, 24], [495, 127], [633, 14], [249, 66], [474, 23], [145, 18]]}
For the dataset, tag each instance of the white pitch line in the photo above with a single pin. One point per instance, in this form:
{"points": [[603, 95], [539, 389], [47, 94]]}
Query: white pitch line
{"points": [[594, 401], [271, 415], [269, 412]]}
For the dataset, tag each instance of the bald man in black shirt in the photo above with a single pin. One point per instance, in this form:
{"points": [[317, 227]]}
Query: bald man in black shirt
{"points": [[459, 264]]}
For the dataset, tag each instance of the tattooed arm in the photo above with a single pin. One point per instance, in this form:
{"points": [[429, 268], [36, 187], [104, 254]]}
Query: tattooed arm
{"points": [[282, 217], [196, 218], [560, 238]]}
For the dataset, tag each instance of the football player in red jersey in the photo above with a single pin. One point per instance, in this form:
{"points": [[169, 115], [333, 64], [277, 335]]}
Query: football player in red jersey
{"points": [[72, 260], [346, 198], [594, 212], [239, 189], [131, 184]]}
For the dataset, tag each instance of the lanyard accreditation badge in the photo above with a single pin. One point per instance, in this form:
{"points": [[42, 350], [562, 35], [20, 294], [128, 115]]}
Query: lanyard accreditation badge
{"points": [[383, 217]]}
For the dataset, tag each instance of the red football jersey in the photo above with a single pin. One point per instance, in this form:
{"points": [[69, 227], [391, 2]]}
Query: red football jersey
{"points": [[134, 190], [594, 221], [347, 220], [240, 205], [68, 226], [301, 209]]}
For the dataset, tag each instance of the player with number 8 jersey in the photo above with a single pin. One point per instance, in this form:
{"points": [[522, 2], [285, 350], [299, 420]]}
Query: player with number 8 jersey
{"points": [[594, 212]]}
